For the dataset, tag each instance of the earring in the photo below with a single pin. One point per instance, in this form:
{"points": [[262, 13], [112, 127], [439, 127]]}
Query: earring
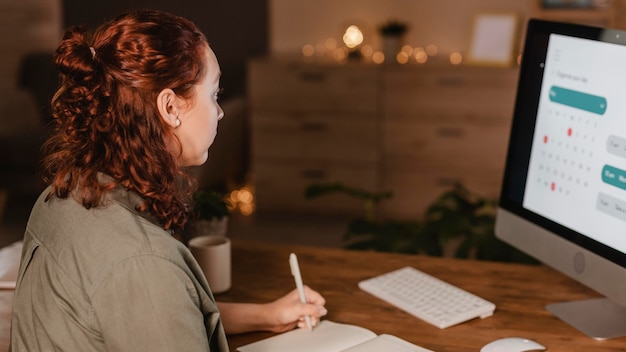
{"points": [[177, 122]]}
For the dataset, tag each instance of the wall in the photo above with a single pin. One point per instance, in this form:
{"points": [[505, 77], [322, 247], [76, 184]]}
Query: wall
{"points": [[445, 23], [27, 27], [236, 29]]}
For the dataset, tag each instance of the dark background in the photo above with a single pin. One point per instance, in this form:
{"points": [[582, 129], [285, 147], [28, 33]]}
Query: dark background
{"points": [[237, 30]]}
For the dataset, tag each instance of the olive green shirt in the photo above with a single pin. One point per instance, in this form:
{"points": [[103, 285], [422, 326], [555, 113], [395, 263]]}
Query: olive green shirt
{"points": [[109, 279]]}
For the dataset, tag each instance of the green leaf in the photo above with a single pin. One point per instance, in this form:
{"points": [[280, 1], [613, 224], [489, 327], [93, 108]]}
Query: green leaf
{"points": [[208, 205], [318, 189], [456, 214]]}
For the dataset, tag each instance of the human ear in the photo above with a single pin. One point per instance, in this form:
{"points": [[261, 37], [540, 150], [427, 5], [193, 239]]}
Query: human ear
{"points": [[168, 106]]}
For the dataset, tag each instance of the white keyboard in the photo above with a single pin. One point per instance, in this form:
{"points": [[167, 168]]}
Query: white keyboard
{"points": [[428, 298]]}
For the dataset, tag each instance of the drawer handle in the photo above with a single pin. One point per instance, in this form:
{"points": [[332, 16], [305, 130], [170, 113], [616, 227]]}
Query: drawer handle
{"points": [[314, 126], [312, 77], [451, 132], [313, 174]]}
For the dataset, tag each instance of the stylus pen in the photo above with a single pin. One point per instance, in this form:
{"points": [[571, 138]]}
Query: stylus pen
{"points": [[295, 271]]}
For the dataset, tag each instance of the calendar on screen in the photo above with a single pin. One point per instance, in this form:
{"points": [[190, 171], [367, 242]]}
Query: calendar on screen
{"points": [[577, 171]]}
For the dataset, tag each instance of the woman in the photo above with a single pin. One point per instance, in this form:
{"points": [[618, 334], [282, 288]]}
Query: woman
{"points": [[100, 269]]}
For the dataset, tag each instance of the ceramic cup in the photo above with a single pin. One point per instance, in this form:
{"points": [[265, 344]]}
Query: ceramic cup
{"points": [[212, 253]]}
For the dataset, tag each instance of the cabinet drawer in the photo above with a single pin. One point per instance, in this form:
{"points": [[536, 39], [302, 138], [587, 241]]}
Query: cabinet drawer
{"points": [[313, 136], [454, 93], [313, 87], [281, 186], [419, 146], [413, 192]]}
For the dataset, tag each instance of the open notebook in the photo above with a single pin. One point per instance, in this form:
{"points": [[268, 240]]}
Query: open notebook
{"points": [[9, 265], [329, 336]]}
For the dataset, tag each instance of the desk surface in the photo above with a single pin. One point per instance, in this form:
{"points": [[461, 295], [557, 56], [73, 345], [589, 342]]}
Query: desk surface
{"points": [[261, 273], [520, 292]]}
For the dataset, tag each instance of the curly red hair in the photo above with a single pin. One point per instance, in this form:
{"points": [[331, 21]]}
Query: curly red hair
{"points": [[105, 115]]}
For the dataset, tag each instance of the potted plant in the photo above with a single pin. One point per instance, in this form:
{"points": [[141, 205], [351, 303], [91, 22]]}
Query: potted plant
{"points": [[210, 215], [464, 224], [369, 232], [458, 223]]}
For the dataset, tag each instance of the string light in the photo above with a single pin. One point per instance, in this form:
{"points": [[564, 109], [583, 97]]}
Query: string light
{"points": [[353, 37], [378, 57], [456, 58], [421, 57], [308, 50], [402, 57], [241, 200]]}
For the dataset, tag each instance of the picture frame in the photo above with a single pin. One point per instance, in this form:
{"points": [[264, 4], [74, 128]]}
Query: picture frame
{"points": [[493, 40]]}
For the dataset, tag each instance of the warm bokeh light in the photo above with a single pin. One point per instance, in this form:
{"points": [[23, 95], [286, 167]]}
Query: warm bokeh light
{"points": [[320, 49], [339, 54], [456, 58], [330, 43], [308, 50], [421, 57], [241, 200], [244, 196], [432, 49], [367, 50], [246, 209], [402, 57], [407, 49], [378, 57], [353, 37]]}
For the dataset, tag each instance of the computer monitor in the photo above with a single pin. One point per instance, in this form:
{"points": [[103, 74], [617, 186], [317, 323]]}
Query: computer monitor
{"points": [[563, 198]]}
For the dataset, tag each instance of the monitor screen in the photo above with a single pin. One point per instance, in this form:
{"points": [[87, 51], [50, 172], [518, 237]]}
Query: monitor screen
{"points": [[563, 197]]}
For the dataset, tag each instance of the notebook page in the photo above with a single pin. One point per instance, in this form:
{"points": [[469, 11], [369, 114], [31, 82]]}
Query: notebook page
{"points": [[386, 342], [328, 336]]}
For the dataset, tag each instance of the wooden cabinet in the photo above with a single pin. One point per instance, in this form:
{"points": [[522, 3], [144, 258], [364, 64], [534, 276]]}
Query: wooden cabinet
{"points": [[444, 125], [313, 123], [413, 130]]}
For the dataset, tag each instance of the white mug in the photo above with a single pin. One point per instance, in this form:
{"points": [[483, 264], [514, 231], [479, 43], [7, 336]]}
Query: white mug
{"points": [[212, 253]]}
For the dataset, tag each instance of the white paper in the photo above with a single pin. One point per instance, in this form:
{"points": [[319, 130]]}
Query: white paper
{"points": [[386, 343], [10, 264], [332, 337], [328, 336]]}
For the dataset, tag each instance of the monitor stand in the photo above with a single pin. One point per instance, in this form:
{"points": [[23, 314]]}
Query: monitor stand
{"points": [[598, 318]]}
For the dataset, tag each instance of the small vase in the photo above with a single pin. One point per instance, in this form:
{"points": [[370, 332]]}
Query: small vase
{"points": [[214, 226], [392, 44]]}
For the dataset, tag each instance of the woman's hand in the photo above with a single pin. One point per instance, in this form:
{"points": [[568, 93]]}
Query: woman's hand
{"points": [[288, 311], [280, 315]]}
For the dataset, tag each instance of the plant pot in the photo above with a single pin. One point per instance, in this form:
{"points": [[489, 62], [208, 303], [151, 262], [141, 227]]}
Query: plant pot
{"points": [[392, 45], [214, 226]]}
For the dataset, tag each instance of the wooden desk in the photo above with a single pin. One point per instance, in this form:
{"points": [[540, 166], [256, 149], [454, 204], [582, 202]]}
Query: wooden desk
{"points": [[520, 292], [261, 273]]}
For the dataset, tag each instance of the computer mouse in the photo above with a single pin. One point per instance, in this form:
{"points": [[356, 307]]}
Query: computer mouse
{"points": [[512, 344]]}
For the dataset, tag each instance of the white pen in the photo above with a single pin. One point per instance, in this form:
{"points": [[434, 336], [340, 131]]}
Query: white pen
{"points": [[295, 271]]}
